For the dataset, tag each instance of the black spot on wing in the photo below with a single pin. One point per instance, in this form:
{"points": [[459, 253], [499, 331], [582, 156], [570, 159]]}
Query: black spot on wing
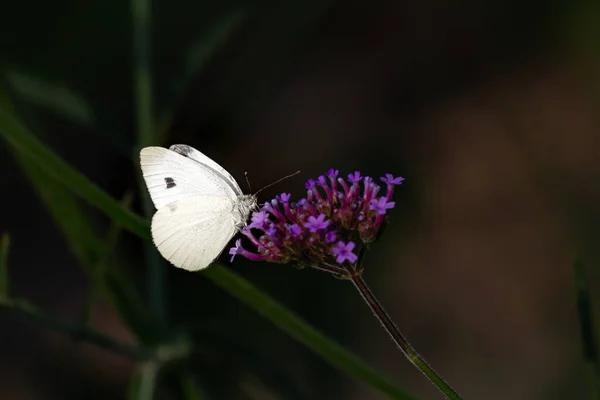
{"points": [[170, 183]]}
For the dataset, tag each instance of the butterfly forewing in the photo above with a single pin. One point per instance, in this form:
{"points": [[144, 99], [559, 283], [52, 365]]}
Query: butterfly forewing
{"points": [[171, 176], [190, 152]]}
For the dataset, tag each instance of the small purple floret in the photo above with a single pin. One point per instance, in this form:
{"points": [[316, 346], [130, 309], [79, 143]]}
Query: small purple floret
{"points": [[343, 252], [237, 249], [259, 219], [314, 224], [355, 177], [381, 205], [283, 197], [390, 180], [295, 230], [332, 173], [330, 237]]}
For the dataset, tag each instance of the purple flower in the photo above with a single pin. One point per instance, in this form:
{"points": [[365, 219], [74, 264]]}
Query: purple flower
{"points": [[390, 180], [332, 173], [343, 252], [271, 230], [237, 249], [295, 230], [330, 237], [381, 205], [259, 219], [283, 197], [355, 177], [314, 224], [308, 231]]}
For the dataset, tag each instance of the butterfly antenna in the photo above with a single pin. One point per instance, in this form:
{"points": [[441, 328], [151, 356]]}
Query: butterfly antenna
{"points": [[277, 181], [248, 181]]}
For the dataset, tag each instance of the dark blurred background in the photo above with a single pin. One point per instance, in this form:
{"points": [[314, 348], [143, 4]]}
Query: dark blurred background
{"points": [[489, 109]]}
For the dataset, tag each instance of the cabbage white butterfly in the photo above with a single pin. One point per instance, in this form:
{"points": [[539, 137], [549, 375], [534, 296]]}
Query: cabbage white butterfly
{"points": [[199, 205]]}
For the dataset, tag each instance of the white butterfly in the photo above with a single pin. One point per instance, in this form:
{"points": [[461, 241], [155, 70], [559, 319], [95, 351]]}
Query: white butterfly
{"points": [[200, 206]]}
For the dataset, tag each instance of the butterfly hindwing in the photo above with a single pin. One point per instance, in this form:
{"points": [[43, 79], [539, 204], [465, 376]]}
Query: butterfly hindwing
{"points": [[191, 233]]}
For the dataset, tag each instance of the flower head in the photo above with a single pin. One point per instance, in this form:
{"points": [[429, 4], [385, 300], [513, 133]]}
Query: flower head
{"points": [[335, 217]]}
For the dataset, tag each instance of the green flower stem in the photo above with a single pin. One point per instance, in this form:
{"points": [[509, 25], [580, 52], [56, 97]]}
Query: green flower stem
{"points": [[332, 269], [81, 332], [141, 12], [398, 337]]}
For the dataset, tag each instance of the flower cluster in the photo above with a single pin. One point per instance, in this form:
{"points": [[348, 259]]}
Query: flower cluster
{"points": [[323, 226]]}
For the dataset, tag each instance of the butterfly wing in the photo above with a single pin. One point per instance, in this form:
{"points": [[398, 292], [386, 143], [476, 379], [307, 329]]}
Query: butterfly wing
{"points": [[171, 176], [191, 233], [190, 152]]}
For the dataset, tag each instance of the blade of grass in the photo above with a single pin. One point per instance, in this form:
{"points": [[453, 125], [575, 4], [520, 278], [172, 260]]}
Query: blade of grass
{"points": [[146, 132], [84, 243], [102, 269], [81, 332], [68, 104], [57, 98], [297, 328], [201, 50], [4, 245], [587, 326], [23, 141]]}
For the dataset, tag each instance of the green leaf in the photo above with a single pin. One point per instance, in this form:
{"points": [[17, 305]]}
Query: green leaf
{"points": [[28, 146], [58, 98], [4, 245], [85, 244], [20, 139], [189, 389], [199, 53]]}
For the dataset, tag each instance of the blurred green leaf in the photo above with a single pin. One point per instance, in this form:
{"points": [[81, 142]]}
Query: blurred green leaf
{"points": [[55, 97], [89, 249], [196, 57], [24, 142], [189, 389], [144, 102], [21, 140], [4, 245]]}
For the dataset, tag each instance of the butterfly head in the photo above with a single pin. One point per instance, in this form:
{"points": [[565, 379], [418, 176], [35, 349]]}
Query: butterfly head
{"points": [[246, 204]]}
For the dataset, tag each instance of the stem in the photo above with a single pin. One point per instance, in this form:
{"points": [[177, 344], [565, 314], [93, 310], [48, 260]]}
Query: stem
{"points": [[587, 325], [141, 10], [82, 332], [332, 269], [397, 336]]}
